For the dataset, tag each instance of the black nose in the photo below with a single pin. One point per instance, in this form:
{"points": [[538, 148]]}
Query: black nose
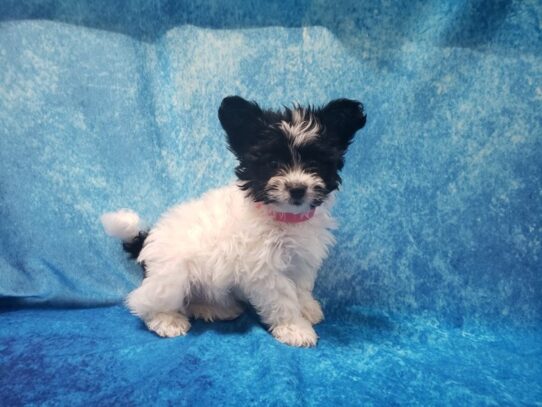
{"points": [[298, 192]]}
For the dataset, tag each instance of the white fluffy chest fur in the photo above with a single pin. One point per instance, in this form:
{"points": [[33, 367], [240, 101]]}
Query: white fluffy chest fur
{"points": [[203, 256], [223, 242]]}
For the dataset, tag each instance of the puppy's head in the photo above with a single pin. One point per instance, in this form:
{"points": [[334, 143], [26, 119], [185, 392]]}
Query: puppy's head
{"points": [[290, 159]]}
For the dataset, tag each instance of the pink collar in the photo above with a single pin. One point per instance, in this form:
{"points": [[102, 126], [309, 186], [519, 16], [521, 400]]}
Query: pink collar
{"points": [[288, 217]]}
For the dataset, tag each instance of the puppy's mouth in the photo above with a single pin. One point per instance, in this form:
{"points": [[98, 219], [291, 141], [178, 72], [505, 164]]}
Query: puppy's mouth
{"points": [[296, 206], [297, 202], [290, 208], [313, 203]]}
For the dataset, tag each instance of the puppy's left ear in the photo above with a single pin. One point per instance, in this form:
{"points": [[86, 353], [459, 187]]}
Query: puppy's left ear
{"points": [[342, 118], [242, 120]]}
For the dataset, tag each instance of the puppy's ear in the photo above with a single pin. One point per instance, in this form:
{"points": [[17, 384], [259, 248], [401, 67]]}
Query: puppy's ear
{"points": [[342, 118], [242, 120]]}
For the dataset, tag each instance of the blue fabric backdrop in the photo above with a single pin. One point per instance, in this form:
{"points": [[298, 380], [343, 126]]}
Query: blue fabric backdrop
{"points": [[106, 105]]}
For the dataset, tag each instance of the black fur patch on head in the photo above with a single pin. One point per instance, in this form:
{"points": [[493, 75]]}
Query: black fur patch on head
{"points": [[267, 143]]}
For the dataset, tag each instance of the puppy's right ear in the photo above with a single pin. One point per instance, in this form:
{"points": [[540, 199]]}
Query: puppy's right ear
{"points": [[342, 118], [242, 120]]}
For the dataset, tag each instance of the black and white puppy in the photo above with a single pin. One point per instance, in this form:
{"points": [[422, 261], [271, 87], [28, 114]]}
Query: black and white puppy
{"points": [[261, 239]]}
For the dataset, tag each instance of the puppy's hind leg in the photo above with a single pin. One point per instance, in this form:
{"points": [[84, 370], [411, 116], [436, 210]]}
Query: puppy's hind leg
{"points": [[160, 303]]}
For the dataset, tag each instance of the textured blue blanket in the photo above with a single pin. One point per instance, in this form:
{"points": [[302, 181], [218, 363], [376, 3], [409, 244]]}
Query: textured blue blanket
{"points": [[106, 105], [106, 357]]}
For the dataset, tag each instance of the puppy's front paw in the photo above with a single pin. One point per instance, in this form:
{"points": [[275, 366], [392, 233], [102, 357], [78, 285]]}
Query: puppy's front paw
{"points": [[299, 333], [312, 311], [168, 324]]}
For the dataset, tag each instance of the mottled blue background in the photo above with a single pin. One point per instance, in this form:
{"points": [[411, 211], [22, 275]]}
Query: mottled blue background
{"points": [[106, 105]]}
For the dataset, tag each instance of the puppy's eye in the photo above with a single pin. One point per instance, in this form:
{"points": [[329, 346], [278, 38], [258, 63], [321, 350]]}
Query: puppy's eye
{"points": [[273, 164], [318, 188]]}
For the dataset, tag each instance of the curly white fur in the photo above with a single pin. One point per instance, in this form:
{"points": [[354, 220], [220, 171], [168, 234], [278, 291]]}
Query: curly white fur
{"points": [[123, 224], [204, 256]]}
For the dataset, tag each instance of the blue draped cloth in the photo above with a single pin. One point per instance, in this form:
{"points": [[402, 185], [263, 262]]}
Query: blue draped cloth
{"points": [[433, 294]]}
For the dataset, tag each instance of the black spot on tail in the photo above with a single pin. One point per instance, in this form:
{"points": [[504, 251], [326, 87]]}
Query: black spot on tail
{"points": [[135, 245]]}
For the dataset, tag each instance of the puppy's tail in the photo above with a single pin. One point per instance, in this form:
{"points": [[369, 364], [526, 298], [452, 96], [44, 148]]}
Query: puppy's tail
{"points": [[125, 224]]}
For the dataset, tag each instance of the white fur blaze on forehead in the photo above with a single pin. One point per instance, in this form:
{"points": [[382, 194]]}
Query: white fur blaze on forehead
{"points": [[303, 128]]}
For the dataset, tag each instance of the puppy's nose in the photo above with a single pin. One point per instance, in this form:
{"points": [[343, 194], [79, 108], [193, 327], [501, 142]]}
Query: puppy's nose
{"points": [[298, 192]]}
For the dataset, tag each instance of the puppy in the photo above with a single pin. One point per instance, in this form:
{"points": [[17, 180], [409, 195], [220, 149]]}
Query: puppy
{"points": [[259, 240]]}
